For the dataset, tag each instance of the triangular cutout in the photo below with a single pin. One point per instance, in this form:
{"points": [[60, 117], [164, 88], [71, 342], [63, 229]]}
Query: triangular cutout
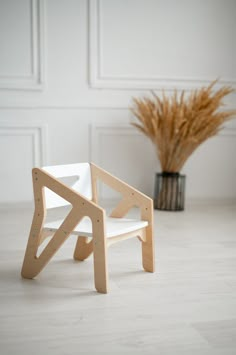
{"points": [[108, 197], [54, 218], [32, 264], [52, 199], [42, 179], [116, 203]]}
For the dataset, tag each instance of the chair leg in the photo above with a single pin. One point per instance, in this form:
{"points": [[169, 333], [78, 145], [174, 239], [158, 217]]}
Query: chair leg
{"points": [[32, 264], [30, 267], [83, 249], [148, 251], [100, 258]]}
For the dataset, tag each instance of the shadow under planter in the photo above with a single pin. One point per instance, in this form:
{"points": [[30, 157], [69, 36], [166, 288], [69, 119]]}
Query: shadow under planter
{"points": [[169, 192]]}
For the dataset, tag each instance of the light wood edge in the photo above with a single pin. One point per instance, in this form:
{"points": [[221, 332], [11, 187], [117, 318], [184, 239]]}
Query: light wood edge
{"points": [[148, 247], [83, 248], [140, 234], [131, 197], [118, 185], [84, 245], [32, 264], [45, 234]]}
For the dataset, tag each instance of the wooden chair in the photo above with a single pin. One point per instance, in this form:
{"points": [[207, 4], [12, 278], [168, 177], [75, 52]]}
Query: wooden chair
{"points": [[96, 231]]}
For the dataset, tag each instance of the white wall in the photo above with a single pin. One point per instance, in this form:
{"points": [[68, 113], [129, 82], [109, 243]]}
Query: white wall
{"points": [[69, 70]]}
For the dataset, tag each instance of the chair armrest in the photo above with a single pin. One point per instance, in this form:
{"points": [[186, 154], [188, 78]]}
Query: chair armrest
{"points": [[136, 197], [44, 179]]}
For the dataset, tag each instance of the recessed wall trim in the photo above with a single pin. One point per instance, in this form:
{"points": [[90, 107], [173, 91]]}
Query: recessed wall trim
{"points": [[98, 79], [98, 131], [38, 133], [34, 81]]}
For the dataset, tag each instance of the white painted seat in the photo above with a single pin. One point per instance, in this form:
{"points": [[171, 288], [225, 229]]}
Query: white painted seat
{"points": [[80, 181], [114, 226], [76, 185]]}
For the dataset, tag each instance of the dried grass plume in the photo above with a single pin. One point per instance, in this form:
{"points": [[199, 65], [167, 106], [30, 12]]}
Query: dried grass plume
{"points": [[177, 125]]}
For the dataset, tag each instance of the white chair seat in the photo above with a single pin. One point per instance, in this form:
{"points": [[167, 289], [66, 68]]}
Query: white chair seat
{"points": [[114, 226]]}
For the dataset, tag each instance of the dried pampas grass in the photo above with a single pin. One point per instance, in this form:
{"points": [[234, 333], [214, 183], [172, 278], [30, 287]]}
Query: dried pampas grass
{"points": [[177, 125]]}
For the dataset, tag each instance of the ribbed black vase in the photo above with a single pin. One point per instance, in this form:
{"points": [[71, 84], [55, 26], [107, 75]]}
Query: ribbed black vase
{"points": [[169, 192]]}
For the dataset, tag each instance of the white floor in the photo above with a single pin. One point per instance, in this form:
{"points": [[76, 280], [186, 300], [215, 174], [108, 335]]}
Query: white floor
{"points": [[187, 307]]}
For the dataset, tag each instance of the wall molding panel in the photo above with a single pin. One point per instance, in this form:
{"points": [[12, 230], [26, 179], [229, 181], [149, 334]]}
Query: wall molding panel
{"points": [[38, 134], [115, 148], [34, 80], [100, 79], [69, 71], [23, 145], [228, 132], [107, 139], [99, 131]]}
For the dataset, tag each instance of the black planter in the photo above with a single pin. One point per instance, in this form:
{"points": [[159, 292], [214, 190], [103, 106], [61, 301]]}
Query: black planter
{"points": [[169, 192]]}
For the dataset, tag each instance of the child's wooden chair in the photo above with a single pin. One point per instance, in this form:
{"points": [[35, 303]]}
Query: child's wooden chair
{"points": [[92, 237]]}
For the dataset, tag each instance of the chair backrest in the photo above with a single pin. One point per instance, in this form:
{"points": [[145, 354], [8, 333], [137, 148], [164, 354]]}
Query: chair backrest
{"points": [[77, 176]]}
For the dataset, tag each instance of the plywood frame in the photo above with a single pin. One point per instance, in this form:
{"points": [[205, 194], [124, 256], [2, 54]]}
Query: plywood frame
{"points": [[131, 197], [82, 207]]}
